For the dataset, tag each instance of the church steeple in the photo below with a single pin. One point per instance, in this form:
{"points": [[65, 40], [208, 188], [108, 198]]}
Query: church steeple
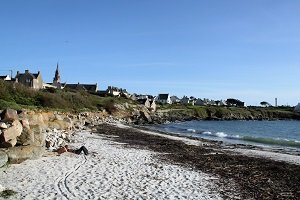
{"points": [[56, 78]]}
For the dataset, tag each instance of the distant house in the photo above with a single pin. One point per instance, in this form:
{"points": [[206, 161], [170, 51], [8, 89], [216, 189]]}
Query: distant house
{"points": [[192, 100], [200, 102], [5, 78], [32, 80], [185, 100], [163, 99], [85, 87], [175, 99], [115, 91], [221, 103], [147, 101]]}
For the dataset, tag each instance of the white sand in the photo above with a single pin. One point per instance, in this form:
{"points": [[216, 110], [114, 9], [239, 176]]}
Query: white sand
{"points": [[110, 171]]}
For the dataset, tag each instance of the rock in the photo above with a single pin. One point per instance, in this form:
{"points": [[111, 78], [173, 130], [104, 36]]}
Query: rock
{"points": [[37, 119], [12, 132], [22, 153], [3, 158], [9, 115], [145, 114], [9, 143], [3, 125], [25, 123], [26, 137], [39, 135], [58, 117]]}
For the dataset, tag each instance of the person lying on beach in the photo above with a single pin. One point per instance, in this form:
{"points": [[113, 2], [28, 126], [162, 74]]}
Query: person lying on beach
{"points": [[76, 151]]}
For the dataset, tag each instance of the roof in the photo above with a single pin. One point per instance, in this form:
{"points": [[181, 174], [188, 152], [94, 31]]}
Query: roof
{"points": [[3, 77], [88, 87], [163, 96], [34, 76]]}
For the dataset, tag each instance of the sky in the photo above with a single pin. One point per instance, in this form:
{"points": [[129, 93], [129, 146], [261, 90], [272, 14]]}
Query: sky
{"points": [[216, 49]]}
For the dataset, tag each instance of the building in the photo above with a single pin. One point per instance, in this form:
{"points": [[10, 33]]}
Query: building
{"points": [[164, 99], [5, 78], [85, 87], [56, 80], [175, 99], [115, 91], [32, 80], [200, 102]]}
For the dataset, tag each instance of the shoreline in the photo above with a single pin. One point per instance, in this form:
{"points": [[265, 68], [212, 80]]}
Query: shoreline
{"points": [[110, 171], [129, 162], [272, 152], [258, 175]]}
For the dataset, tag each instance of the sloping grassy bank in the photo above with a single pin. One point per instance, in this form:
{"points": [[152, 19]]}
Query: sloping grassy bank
{"points": [[17, 96], [227, 113]]}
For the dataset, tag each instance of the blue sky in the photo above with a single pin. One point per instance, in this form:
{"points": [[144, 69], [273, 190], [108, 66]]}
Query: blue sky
{"points": [[214, 49]]}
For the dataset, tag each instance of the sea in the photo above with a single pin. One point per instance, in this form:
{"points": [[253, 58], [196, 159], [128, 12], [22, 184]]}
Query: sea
{"points": [[277, 134]]}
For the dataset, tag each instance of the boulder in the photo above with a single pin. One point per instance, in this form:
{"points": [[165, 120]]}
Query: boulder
{"points": [[12, 132], [9, 143], [3, 158], [39, 135], [25, 123], [145, 114], [37, 119], [3, 125], [9, 115], [22, 153], [26, 138]]}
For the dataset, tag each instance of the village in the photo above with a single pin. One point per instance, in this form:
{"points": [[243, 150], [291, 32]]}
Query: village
{"points": [[36, 82]]}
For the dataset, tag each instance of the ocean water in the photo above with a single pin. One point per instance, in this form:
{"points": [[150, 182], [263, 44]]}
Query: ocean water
{"points": [[260, 133]]}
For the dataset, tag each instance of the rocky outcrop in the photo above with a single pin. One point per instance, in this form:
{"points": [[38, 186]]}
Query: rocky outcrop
{"points": [[8, 137], [27, 134], [9, 115], [22, 153]]}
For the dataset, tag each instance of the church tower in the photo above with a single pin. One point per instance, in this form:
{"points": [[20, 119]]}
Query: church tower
{"points": [[56, 79]]}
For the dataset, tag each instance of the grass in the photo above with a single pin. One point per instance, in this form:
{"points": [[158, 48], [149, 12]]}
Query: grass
{"points": [[17, 96]]}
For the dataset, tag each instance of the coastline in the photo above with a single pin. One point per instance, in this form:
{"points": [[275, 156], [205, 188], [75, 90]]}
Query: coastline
{"points": [[132, 162], [257, 176], [110, 171]]}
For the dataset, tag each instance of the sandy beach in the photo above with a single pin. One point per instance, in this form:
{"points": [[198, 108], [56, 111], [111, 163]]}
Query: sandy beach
{"points": [[110, 171], [128, 163]]}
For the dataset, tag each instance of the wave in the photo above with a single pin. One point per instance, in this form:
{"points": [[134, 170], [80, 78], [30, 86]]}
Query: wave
{"points": [[191, 130], [280, 142], [220, 135], [261, 140], [223, 135]]}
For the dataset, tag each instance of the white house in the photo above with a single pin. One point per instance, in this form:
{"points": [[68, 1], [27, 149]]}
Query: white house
{"points": [[164, 99], [6, 78]]}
